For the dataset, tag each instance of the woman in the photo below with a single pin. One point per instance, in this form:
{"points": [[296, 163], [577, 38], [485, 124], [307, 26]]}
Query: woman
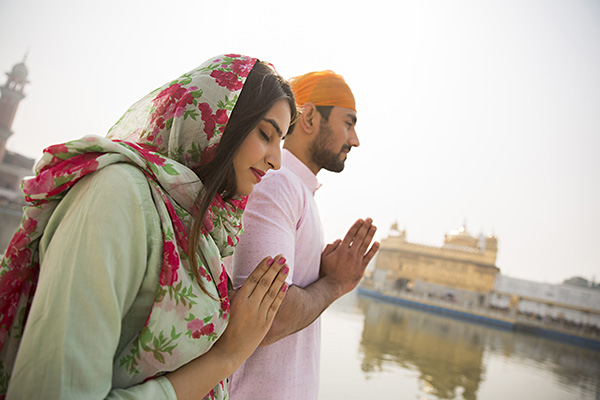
{"points": [[132, 298]]}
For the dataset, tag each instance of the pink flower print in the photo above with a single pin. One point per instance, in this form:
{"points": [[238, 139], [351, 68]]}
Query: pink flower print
{"points": [[158, 123], [148, 146], [203, 273], [57, 149], [232, 55], [211, 120], [199, 329], [207, 225], [165, 103], [58, 152], [227, 79], [219, 203], [241, 203], [154, 158], [207, 117], [168, 272], [20, 258], [229, 241], [42, 183], [82, 164], [150, 156], [168, 95], [9, 307], [19, 241], [29, 226], [221, 118], [72, 170], [180, 228], [242, 67], [186, 100], [88, 163], [222, 288], [208, 154]]}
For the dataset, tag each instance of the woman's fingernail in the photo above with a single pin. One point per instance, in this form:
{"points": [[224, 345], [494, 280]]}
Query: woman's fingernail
{"points": [[284, 288], [282, 260], [270, 261], [285, 270]]}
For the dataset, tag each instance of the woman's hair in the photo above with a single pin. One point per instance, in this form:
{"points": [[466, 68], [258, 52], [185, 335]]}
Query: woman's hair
{"points": [[263, 88]]}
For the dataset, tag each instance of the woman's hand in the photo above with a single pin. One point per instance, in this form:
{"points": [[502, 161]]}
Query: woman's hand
{"points": [[253, 308]]}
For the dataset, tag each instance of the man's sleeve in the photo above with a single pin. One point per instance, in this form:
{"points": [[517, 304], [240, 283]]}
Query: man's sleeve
{"points": [[270, 220]]}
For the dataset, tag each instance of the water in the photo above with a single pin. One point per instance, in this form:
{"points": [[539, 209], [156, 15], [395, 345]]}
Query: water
{"points": [[376, 350]]}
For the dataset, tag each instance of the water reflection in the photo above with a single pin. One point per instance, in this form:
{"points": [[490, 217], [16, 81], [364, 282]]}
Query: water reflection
{"points": [[451, 356], [448, 354]]}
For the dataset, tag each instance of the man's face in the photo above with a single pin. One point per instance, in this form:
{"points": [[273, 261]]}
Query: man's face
{"points": [[335, 138]]}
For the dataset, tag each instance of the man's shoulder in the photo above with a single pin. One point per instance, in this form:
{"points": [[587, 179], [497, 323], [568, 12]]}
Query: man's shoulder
{"points": [[283, 178]]}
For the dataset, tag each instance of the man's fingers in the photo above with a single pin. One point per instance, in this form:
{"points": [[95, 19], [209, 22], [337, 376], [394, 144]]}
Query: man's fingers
{"points": [[351, 233], [362, 232], [364, 245], [369, 256], [331, 247]]}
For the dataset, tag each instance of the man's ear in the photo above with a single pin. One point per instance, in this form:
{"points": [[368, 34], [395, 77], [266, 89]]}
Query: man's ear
{"points": [[309, 118]]}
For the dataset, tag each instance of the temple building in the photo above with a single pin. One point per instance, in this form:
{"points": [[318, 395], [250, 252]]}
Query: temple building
{"points": [[13, 166], [463, 265], [461, 278]]}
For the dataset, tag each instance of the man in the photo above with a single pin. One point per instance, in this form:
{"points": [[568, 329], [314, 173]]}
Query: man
{"points": [[281, 217]]}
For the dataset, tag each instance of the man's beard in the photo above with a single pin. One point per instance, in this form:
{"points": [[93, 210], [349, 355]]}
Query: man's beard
{"points": [[322, 155]]}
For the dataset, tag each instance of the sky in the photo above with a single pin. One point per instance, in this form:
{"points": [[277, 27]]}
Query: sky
{"points": [[484, 113]]}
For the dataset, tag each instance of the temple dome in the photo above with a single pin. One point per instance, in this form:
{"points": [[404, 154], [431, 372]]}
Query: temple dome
{"points": [[19, 72], [461, 232], [461, 238]]}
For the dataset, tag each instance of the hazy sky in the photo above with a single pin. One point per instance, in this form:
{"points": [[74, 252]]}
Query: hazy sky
{"points": [[480, 111]]}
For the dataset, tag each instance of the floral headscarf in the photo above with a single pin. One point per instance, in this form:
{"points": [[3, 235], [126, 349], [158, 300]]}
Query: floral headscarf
{"points": [[171, 131]]}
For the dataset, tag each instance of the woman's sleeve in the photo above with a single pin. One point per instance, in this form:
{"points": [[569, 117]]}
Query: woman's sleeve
{"points": [[100, 262]]}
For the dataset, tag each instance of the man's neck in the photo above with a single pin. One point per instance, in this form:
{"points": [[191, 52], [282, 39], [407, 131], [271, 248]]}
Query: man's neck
{"points": [[303, 155]]}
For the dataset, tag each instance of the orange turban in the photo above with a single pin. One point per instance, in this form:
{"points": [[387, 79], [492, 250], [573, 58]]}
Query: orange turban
{"points": [[322, 88]]}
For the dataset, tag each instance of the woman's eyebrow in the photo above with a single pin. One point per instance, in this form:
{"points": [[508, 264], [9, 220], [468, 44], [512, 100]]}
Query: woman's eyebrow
{"points": [[275, 125]]}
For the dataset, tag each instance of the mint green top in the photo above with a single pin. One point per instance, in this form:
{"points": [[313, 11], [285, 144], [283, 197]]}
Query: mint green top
{"points": [[100, 258]]}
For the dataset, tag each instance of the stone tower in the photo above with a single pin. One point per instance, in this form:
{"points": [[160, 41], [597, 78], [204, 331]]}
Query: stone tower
{"points": [[13, 166], [11, 95]]}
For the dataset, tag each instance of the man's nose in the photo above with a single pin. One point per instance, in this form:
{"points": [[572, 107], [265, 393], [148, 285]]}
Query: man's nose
{"points": [[353, 138]]}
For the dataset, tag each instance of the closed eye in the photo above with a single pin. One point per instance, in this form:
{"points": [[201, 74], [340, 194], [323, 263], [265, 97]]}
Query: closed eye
{"points": [[265, 136]]}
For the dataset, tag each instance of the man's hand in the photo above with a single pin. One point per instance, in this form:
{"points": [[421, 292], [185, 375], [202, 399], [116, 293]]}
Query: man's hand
{"points": [[343, 262]]}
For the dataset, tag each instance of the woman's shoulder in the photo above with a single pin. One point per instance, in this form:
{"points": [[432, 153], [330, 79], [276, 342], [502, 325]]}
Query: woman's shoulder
{"points": [[116, 183], [122, 175], [106, 195]]}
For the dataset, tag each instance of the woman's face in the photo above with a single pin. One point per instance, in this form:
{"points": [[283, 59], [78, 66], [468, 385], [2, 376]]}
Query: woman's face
{"points": [[261, 150]]}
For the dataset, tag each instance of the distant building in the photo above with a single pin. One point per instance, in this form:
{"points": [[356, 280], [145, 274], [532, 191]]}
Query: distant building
{"points": [[581, 282], [462, 275], [13, 167], [544, 301], [463, 265]]}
